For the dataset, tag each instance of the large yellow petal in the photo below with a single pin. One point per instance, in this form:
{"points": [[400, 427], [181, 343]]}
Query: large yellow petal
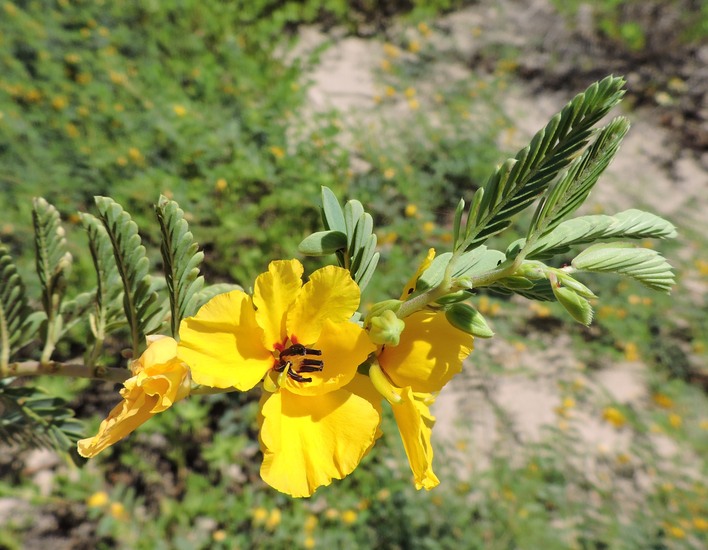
{"points": [[344, 347], [429, 354], [307, 442], [329, 294], [415, 423], [223, 344], [273, 294]]}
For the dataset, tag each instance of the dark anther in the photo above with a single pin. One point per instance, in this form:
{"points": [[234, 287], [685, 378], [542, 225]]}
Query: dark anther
{"points": [[305, 364]]}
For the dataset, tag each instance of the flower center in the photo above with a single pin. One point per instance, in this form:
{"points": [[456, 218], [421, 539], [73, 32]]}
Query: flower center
{"points": [[295, 360]]}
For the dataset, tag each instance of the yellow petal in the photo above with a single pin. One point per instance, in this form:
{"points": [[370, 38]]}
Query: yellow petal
{"points": [[329, 294], [415, 423], [344, 347], [133, 411], [273, 294], [361, 385], [161, 381], [429, 354], [309, 441], [223, 344], [410, 285]]}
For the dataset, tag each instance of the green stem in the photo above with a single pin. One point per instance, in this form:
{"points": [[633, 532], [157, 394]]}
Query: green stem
{"points": [[71, 370]]}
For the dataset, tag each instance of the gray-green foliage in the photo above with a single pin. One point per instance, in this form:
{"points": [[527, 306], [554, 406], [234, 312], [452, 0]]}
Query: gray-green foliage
{"points": [[349, 234], [181, 260], [13, 308]]}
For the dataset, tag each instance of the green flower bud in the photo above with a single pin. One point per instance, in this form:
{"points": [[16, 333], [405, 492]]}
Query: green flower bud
{"points": [[386, 328], [379, 307], [469, 320], [578, 307], [454, 297], [568, 281]]}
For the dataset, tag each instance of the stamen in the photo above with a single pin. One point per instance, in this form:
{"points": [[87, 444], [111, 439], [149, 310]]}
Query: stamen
{"points": [[300, 364]]}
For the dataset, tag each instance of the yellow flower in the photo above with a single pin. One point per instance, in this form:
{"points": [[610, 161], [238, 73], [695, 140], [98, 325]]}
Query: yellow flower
{"points": [[614, 416], [97, 500], [700, 524], [430, 352], [309, 542], [310, 523], [159, 380], [179, 110], [259, 515], [411, 210], [118, 511], [349, 517], [675, 420], [662, 400], [273, 519], [299, 338]]}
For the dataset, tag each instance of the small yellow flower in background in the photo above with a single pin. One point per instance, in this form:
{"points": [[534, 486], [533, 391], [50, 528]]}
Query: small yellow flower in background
{"points": [[614, 416], [273, 519], [424, 29], [539, 310], [332, 514], [703, 424], [621, 313], [122, 161], [700, 524], [315, 426], [259, 515], [118, 511], [135, 155], [391, 51], [179, 110], [428, 227], [623, 459], [60, 103], [631, 353], [702, 266], [349, 517], [118, 107], [159, 380], [414, 46], [676, 532], [363, 504], [83, 78], [221, 185], [390, 91], [310, 523], [634, 300], [409, 92], [85, 32], [277, 152], [117, 78], [675, 420], [309, 542], [97, 500], [662, 400], [383, 495], [563, 410], [413, 104], [219, 535], [411, 210], [10, 8], [389, 174], [71, 130], [104, 32], [385, 65]]}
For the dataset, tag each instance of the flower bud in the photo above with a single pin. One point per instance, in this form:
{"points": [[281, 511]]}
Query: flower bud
{"points": [[386, 328], [469, 320], [578, 307]]}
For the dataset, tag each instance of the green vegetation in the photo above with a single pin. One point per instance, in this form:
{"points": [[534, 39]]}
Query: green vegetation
{"points": [[195, 101]]}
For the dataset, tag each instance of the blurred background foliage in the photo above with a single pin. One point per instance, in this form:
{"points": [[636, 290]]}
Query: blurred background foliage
{"points": [[201, 102]]}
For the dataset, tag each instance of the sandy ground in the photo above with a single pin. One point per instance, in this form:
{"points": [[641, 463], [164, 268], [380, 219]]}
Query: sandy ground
{"points": [[475, 412]]}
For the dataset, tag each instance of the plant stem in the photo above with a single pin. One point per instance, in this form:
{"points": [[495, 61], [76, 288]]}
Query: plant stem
{"points": [[72, 370]]}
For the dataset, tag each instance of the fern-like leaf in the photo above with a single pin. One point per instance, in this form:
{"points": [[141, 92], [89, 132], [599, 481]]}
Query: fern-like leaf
{"points": [[140, 301], [13, 308], [643, 264], [521, 180], [630, 224], [571, 190], [32, 419], [181, 261]]}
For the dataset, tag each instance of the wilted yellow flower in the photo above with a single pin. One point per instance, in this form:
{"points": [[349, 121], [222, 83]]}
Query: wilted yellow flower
{"points": [[614, 416], [349, 517], [122, 161], [383, 494], [159, 380], [97, 500]]}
